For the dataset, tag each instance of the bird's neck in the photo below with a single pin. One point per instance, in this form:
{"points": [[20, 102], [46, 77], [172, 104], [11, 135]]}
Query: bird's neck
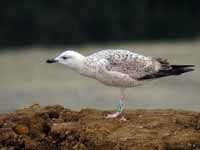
{"points": [[77, 64]]}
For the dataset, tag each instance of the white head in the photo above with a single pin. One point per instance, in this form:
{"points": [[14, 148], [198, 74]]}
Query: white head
{"points": [[69, 58]]}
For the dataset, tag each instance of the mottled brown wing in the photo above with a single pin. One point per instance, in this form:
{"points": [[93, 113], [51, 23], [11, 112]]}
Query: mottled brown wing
{"points": [[136, 66]]}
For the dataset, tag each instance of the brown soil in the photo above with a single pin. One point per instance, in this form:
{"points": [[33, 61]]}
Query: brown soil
{"points": [[55, 127]]}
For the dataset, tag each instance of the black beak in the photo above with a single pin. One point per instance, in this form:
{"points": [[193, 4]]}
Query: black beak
{"points": [[51, 61]]}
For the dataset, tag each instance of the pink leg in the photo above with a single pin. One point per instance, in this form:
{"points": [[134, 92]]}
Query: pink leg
{"points": [[114, 115], [119, 109], [122, 99]]}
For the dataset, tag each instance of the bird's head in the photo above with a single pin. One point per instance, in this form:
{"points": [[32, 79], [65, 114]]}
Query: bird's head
{"points": [[69, 58]]}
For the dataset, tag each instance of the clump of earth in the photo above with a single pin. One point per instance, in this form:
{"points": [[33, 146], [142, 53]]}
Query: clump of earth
{"points": [[59, 128]]}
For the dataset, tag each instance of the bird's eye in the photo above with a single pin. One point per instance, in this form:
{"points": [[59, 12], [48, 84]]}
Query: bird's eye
{"points": [[64, 57]]}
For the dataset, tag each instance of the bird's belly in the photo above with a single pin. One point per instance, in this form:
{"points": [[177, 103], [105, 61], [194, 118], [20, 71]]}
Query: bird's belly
{"points": [[116, 82], [110, 80]]}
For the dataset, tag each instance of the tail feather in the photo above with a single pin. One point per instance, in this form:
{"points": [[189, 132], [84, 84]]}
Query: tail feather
{"points": [[168, 70], [182, 66], [179, 69]]}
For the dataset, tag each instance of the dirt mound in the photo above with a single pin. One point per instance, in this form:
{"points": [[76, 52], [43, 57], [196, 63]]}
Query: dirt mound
{"points": [[54, 127]]}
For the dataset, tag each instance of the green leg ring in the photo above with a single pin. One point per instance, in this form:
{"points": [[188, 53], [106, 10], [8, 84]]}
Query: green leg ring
{"points": [[119, 108]]}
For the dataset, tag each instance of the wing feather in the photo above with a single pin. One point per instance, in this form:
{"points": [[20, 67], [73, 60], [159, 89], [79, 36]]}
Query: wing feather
{"points": [[135, 65], [127, 62]]}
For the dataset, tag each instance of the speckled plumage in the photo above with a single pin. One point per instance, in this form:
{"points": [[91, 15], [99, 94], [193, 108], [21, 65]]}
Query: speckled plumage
{"points": [[119, 68]]}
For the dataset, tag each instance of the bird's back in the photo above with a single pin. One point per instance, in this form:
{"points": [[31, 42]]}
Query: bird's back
{"points": [[113, 54], [123, 61], [137, 66]]}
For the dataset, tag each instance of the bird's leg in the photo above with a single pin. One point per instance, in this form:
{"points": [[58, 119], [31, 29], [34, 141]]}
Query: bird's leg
{"points": [[119, 107]]}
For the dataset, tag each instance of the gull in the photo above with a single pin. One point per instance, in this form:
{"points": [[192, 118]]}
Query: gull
{"points": [[119, 68]]}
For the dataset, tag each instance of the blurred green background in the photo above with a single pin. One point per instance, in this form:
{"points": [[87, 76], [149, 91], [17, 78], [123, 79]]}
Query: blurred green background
{"points": [[58, 22], [32, 31]]}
